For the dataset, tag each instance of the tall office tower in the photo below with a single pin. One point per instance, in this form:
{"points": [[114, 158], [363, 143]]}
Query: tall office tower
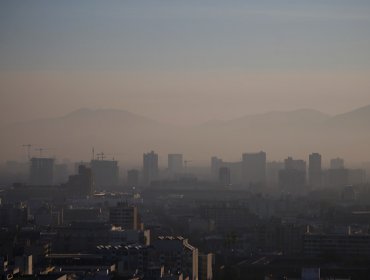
{"points": [[175, 163], [42, 171], [150, 167], [224, 176], [296, 164], [124, 216], [272, 172], [216, 163], [81, 184], [314, 170], [105, 173], [77, 165], [336, 177], [133, 178], [337, 163], [254, 168], [60, 173], [293, 177], [356, 176]]}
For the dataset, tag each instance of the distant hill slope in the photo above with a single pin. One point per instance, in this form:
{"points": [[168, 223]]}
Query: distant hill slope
{"points": [[359, 118], [123, 133]]}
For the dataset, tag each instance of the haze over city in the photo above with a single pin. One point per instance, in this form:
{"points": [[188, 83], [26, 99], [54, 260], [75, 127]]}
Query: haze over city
{"points": [[184, 140], [182, 63]]}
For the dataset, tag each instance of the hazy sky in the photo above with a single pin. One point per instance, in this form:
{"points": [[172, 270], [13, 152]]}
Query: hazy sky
{"points": [[183, 61]]}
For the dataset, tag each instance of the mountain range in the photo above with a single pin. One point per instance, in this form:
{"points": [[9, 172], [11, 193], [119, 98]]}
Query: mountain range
{"points": [[125, 136]]}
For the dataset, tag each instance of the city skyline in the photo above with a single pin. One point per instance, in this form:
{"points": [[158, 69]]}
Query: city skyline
{"points": [[173, 140], [123, 135]]}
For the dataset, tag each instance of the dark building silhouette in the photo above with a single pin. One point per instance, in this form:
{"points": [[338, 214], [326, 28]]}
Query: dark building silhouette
{"points": [[178, 254], [348, 194], [346, 245], [42, 171], [235, 169], [254, 168], [314, 170], [336, 177], [133, 178], [224, 176], [293, 177], [272, 172], [356, 176], [337, 163], [81, 184], [150, 167], [60, 173], [76, 165], [296, 164], [105, 173], [124, 216], [341, 177], [216, 163], [12, 215]]}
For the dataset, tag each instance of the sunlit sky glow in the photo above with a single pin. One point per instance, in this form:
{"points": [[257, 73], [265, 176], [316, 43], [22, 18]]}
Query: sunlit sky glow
{"points": [[183, 61]]}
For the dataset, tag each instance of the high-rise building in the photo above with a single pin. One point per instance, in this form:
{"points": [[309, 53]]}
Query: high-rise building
{"points": [[337, 163], [314, 170], [216, 163], [356, 176], [81, 184], [272, 172], [105, 173], [133, 178], [338, 177], [254, 168], [60, 173], [175, 163], [224, 176], [235, 169], [12, 215], [150, 167], [124, 216], [77, 165], [296, 164], [42, 171], [293, 177], [205, 266]]}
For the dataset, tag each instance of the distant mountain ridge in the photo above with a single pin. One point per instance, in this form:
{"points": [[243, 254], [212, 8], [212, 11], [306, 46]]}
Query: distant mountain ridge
{"points": [[91, 114], [357, 116], [279, 133], [307, 115]]}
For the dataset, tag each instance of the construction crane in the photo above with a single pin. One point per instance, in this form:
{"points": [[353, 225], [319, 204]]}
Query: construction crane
{"points": [[40, 150], [28, 146], [114, 155], [100, 156]]}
